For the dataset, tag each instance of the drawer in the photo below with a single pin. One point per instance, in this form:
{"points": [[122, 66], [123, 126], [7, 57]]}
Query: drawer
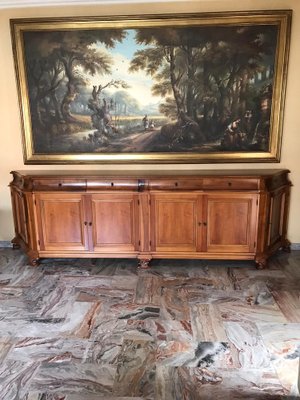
{"points": [[176, 184], [230, 183], [59, 184], [112, 184]]}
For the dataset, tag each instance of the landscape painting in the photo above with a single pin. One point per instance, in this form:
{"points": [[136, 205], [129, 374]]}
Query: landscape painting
{"points": [[187, 88]]}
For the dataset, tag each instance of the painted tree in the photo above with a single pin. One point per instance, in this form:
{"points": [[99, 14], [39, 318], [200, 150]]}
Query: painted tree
{"points": [[206, 73], [101, 107], [60, 61], [231, 64], [45, 76], [160, 59]]}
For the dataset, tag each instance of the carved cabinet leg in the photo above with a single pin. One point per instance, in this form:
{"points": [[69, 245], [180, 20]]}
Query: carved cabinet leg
{"points": [[144, 263], [33, 258], [287, 246], [15, 244], [34, 262], [261, 262]]}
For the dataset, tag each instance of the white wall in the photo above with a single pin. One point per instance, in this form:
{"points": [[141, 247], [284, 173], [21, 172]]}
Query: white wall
{"points": [[11, 157]]}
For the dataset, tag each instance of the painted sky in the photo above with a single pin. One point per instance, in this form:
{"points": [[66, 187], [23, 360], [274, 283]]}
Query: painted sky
{"points": [[140, 83]]}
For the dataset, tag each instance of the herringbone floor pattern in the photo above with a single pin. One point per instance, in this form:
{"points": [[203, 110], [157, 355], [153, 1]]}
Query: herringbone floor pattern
{"points": [[101, 329]]}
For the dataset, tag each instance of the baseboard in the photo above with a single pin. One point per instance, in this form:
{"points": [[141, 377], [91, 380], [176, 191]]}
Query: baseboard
{"points": [[5, 243], [295, 246]]}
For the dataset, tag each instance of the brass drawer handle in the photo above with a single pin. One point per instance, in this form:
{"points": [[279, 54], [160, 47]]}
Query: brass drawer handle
{"points": [[141, 185]]}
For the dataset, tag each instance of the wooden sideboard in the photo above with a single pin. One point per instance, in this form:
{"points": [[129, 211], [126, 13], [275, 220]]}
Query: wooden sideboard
{"points": [[212, 214]]}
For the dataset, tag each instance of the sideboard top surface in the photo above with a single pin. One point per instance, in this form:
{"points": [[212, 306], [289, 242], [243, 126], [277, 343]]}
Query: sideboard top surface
{"points": [[150, 173]]}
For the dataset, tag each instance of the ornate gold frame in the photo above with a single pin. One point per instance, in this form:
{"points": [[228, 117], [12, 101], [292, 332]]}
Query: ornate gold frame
{"points": [[281, 19]]}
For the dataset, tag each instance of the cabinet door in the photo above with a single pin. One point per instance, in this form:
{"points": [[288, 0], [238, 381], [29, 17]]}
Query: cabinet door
{"points": [[114, 222], [174, 222], [61, 221], [231, 222]]}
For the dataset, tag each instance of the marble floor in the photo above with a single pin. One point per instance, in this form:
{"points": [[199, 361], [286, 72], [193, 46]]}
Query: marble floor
{"points": [[185, 330]]}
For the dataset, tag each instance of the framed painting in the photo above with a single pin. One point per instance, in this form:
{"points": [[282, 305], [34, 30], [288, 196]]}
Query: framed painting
{"points": [[183, 88]]}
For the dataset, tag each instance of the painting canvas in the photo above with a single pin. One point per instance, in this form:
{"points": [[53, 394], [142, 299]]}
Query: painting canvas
{"points": [[183, 88]]}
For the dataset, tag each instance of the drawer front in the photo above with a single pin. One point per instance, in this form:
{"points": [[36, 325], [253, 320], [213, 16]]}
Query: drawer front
{"points": [[175, 184], [230, 183], [59, 184], [113, 184]]}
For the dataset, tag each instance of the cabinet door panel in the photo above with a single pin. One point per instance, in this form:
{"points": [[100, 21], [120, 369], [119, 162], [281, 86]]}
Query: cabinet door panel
{"points": [[231, 223], [115, 222], [174, 222], [61, 220]]}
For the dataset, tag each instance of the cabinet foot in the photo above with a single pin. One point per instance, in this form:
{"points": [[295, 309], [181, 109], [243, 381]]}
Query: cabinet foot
{"points": [[15, 244], [34, 262], [261, 263], [286, 247], [144, 263]]}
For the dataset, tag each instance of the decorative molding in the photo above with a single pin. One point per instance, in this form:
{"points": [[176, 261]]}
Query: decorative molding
{"points": [[48, 3], [6, 243]]}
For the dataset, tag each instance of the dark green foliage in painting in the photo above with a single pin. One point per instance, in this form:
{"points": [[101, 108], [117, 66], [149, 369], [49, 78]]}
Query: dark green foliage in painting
{"points": [[211, 76], [54, 61]]}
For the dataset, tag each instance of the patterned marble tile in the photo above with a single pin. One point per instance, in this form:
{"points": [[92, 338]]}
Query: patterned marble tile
{"points": [[27, 324], [6, 345], [82, 396], [251, 352], [16, 377], [90, 329], [254, 313], [69, 377], [289, 303], [220, 384], [174, 304], [207, 323], [135, 374], [283, 344], [148, 290], [161, 330]]}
